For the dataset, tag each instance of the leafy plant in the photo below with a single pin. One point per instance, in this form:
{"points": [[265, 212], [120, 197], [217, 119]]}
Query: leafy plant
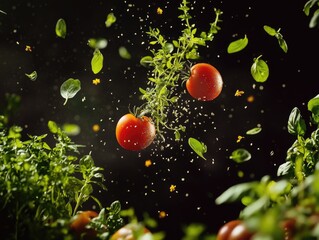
{"points": [[166, 64], [40, 182], [294, 194]]}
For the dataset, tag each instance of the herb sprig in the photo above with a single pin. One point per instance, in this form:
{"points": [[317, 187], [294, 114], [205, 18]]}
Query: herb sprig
{"points": [[167, 63]]}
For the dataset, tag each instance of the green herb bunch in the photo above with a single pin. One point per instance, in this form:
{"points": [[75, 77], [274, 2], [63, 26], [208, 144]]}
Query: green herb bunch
{"points": [[40, 183], [294, 195], [167, 63]]}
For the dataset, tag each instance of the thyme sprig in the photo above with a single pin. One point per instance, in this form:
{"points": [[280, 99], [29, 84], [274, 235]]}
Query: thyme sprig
{"points": [[167, 64]]}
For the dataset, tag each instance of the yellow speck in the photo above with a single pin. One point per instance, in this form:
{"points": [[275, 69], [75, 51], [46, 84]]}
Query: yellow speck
{"points": [[239, 93], [159, 11], [96, 127], [250, 98], [172, 188], [240, 174], [148, 163], [96, 81], [28, 48], [162, 214], [239, 138]]}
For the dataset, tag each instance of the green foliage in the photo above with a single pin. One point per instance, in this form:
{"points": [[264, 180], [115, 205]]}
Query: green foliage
{"points": [[240, 155], [110, 19], [60, 28], [308, 7], [32, 76], [166, 63], [198, 147], [259, 70], [294, 195], [238, 45], [41, 182], [276, 33], [70, 88], [97, 61]]}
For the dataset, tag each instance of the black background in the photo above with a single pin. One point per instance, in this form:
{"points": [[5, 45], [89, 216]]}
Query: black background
{"points": [[292, 82]]}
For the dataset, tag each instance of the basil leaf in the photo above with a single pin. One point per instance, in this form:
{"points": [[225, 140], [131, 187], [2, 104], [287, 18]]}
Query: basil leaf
{"points": [[271, 31], [70, 88], [60, 28], [97, 61], [259, 70], [296, 124], [254, 131], [240, 155], [313, 106], [124, 53], [237, 45], [198, 147], [110, 19]]}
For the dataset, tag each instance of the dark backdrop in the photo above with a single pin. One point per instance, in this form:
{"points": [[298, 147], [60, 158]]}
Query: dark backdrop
{"points": [[293, 81]]}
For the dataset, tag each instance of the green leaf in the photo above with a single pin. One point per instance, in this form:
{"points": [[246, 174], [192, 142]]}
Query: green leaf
{"points": [[71, 129], [271, 31], [53, 127], [33, 76], [234, 193], [314, 21], [255, 207], [146, 61], [124, 53], [60, 28], [283, 45], [70, 88], [98, 43], [296, 124], [198, 147], [97, 61], [313, 107], [254, 131], [168, 47], [284, 169], [237, 45], [110, 19], [259, 70], [240, 155]]}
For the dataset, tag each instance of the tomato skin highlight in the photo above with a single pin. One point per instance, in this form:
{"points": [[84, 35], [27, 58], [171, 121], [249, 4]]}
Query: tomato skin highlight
{"points": [[79, 222], [127, 232], [234, 230], [135, 133], [205, 82]]}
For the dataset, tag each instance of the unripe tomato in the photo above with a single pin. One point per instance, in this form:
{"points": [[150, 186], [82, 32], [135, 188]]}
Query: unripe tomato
{"points": [[79, 222], [205, 82], [134, 133], [130, 230]]}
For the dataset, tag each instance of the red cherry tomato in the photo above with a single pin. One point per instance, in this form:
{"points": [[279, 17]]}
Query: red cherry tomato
{"points": [[79, 222], [134, 133], [130, 230], [205, 82], [234, 230]]}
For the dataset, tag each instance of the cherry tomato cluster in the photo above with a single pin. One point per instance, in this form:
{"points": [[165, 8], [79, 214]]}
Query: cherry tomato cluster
{"points": [[137, 133]]}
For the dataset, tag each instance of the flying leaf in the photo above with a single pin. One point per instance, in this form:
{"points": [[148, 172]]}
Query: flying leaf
{"points": [[237, 45], [33, 76], [198, 147], [271, 31], [60, 28], [240, 155], [3, 12], [254, 131], [124, 53], [259, 70], [70, 88], [110, 19], [97, 61], [71, 129], [98, 43], [145, 61]]}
